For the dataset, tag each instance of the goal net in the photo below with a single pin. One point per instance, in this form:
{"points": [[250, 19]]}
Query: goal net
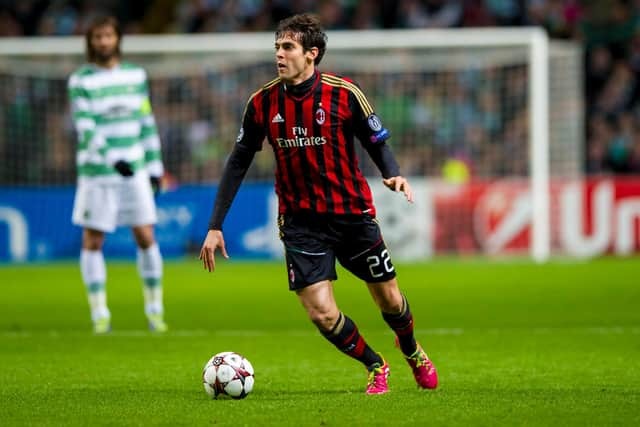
{"points": [[469, 111]]}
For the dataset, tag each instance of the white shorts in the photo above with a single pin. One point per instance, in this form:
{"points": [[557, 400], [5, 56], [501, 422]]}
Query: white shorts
{"points": [[103, 205]]}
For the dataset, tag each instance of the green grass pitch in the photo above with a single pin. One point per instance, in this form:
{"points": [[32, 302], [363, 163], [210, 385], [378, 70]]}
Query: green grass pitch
{"points": [[515, 344]]}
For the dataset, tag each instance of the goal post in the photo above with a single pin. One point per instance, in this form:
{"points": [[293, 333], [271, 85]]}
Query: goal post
{"points": [[497, 86], [539, 145]]}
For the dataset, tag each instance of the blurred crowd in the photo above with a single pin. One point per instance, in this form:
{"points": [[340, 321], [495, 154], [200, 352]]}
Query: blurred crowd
{"points": [[431, 112], [65, 17]]}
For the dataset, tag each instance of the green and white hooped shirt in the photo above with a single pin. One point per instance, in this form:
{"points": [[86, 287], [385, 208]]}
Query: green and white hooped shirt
{"points": [[113, 119]]}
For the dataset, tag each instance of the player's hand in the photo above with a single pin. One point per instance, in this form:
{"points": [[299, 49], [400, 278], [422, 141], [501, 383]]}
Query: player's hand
{"points": [[123, 167], [399, 183], [156, 184], [213, 241]]}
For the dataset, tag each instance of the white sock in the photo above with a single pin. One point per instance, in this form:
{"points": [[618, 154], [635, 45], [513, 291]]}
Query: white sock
{"points": [[150, 270], [94, 276]]}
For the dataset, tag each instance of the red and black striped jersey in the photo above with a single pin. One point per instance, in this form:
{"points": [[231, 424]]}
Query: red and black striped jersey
{"points": [[312, 136]]}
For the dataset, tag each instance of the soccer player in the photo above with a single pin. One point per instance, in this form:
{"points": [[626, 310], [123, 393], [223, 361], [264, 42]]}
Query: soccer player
{"points": [[326, 210], [119, 168]]}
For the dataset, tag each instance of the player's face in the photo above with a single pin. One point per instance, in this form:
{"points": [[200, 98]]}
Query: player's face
{"points": [[104, 41], [293, 63]]}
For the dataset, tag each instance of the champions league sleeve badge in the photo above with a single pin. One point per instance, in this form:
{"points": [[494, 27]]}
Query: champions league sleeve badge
{"points": [[379, 133], [374, 123], [240, 134]]}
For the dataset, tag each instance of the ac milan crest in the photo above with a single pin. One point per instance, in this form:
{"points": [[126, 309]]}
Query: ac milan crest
{"points": [[321, 116]]}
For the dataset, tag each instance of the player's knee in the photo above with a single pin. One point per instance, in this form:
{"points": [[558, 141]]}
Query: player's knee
{"points": [[324, 320], [92, 240], [144, 236]]}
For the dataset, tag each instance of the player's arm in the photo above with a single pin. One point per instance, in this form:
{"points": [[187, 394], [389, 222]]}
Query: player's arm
{"points": [[150, 141], [248, 143], [373, 136], [91, 144]]}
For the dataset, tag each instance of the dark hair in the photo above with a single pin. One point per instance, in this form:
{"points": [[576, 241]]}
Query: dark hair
{"points": [[306, 29], [102, 21]]}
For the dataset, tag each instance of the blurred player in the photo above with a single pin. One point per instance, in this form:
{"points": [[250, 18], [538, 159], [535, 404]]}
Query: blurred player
{"points": [[325, 204], [119, 168]]}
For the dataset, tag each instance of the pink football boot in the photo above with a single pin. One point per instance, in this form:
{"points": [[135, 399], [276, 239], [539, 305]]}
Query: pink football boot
{"points": [[423, 370], [378, 379]]}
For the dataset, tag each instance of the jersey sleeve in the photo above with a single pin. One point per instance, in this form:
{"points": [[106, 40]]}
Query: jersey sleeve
{"points": [[252, 132], [149, 136], [369, 130], [366, 124]]}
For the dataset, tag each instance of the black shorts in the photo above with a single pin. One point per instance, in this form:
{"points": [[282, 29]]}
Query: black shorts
{"points": [[314, 241]]}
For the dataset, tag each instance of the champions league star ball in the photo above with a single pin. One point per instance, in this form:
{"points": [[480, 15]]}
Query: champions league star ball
{"points": [[228, 375]]}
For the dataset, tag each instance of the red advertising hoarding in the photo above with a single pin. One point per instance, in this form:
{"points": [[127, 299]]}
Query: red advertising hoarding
{"points": [[588, 217]]}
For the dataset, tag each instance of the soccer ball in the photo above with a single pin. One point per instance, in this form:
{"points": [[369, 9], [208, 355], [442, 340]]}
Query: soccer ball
{"points": [[228, 374]]}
